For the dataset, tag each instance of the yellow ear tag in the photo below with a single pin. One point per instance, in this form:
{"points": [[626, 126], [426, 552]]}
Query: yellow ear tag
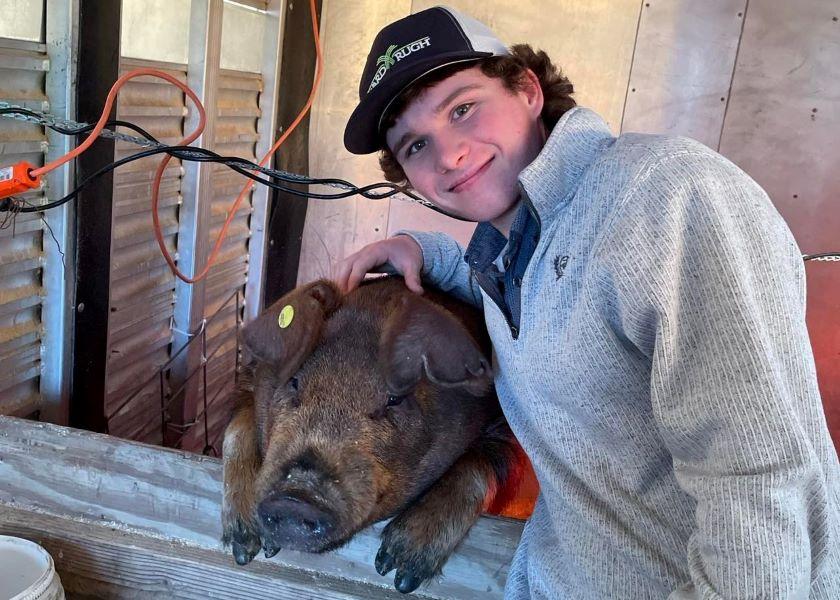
{"points": [[286, 316]]}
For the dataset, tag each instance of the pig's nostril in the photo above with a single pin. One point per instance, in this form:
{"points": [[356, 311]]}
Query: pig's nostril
{"points": [[316, 527], [292, 521]]}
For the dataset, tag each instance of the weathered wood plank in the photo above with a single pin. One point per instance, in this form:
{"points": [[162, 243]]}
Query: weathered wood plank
{"points": [[105, 562], [176, 497]]}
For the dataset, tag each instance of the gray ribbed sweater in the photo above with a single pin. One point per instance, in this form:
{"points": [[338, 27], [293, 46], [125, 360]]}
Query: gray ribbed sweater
{"points": [[662, 383]]}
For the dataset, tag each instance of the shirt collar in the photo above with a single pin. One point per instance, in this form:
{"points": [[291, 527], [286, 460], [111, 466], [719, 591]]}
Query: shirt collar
{"points": [[577, 139], [487, 242]]}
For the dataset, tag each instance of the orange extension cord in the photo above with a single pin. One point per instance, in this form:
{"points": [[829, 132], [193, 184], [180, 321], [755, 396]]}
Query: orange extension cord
{"points": [[112, 95], [232, 212]]}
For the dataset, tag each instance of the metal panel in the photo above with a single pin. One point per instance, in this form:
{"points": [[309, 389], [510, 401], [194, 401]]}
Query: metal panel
{"points": [[242, 23], [203, 78], [155, 30], [782, 128], [271, 55], [258, 4], [23, 67], [22, 19], [336, 228], [59, 266], [145, 328], [238, 113], [682, 68], [592, 42], [142, 286]]}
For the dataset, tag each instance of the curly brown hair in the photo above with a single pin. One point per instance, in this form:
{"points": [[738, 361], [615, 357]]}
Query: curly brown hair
{"points": [[556, 87]]}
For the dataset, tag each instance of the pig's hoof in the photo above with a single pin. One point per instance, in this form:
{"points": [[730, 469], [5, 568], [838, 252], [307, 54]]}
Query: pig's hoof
{"points": [[406, 582], [243, 554], [243, 542], [414, 565], [270, 550]]}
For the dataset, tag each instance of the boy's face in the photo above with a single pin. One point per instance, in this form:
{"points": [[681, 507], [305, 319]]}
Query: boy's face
{"points": [[463, 142]]}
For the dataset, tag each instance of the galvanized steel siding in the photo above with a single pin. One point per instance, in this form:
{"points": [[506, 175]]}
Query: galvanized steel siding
{"points": [[142, 286], [236, 135], [23, 67]]}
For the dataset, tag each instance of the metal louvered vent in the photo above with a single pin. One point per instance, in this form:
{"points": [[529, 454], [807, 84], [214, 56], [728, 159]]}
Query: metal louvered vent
{"points": [[142, 286], [236, 135], [23, 68]]}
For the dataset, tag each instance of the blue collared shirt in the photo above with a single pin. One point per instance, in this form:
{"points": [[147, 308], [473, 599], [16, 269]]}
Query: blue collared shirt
{"points": [[486, 246]]}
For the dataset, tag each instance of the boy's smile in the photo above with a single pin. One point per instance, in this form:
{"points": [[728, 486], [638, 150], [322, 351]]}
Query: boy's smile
{"points": [[463, 142]]}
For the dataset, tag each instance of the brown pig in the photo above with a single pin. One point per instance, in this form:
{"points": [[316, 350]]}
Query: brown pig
{"points": [[356, 409]]}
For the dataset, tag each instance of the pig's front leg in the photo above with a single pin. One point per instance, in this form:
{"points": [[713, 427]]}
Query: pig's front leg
{"points": [[418, 541], [240, 466]]}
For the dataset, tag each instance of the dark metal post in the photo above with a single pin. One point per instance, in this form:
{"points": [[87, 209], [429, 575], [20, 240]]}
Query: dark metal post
{"points": [[288, 213], [98, 69]]}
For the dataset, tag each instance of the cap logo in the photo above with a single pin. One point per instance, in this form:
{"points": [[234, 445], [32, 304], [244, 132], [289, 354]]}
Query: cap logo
{"points": [[393, 55]]}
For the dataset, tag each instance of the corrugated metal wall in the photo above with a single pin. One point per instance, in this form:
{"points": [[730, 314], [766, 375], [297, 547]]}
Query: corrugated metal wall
{"points": [[199, 41], [23, 67], [142, 290], [144, 294], [237, 120]]}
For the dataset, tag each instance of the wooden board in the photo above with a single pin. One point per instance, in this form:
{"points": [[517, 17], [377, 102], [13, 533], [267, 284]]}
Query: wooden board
{"points": [[97, 561], [143, 494]]}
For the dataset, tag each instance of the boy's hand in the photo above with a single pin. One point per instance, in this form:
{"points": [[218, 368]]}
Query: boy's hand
{"points": [[401, 252]]}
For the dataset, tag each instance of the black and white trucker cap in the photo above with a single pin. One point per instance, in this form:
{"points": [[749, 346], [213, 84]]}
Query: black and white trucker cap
{"points": [[405, 51]]}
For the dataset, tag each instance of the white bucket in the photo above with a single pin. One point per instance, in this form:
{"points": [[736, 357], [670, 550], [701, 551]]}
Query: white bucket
{"points": [[27, 571]]}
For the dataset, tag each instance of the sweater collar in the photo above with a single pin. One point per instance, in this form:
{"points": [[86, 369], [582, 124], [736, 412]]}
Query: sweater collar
{"points": [[577, 139]]}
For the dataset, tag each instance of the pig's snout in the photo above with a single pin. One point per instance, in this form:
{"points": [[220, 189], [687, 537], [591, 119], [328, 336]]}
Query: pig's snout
{"points": [[291, 522]]}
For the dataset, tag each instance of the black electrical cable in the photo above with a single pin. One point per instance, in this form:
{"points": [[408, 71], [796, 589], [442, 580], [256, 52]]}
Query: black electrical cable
{"points": [[175, 150], [196, 154], [235, 163], [232, 162], [80, 130]]}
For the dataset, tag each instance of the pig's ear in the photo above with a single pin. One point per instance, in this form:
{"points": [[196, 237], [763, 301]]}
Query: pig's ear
{"points": [[287, 332], [422, 338]]}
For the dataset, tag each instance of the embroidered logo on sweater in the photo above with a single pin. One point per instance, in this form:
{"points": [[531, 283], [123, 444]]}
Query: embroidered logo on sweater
{"points": [[560, 263]]}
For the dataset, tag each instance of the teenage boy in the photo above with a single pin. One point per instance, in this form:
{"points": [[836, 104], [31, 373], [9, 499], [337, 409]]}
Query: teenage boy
{"points": [[647, 311]]}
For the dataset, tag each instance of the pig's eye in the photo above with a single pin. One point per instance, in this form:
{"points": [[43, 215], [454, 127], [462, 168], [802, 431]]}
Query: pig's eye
{"points": [[394, 400], [293, 384]]}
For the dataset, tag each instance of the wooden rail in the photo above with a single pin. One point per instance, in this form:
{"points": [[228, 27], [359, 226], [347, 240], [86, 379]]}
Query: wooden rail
{"points": [[123, 519]]}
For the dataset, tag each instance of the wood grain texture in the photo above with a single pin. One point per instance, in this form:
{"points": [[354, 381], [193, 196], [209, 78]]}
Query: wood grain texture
{"points": [[142, 491], [102, 562]]}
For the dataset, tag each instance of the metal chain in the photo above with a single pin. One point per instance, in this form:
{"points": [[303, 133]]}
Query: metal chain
{"points": [[47, 120], [832, 258]]}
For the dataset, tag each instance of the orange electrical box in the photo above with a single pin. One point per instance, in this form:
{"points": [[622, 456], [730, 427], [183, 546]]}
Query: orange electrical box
{"points": [[17, 179]]}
